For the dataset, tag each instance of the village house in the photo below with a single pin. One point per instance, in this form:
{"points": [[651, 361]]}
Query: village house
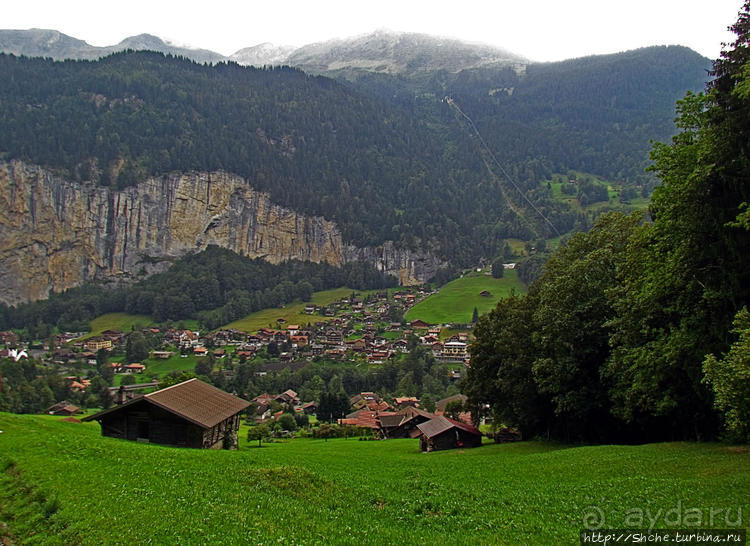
{"points": [[363, 418], [76, 384], [94, 344], [378, 357], [115, 366], [162, 355], [8, 338], [404, 423], [287, 397], [298, 340], [453, 351], [63, 408], [190, 414], [406, 401], [443, 433]]}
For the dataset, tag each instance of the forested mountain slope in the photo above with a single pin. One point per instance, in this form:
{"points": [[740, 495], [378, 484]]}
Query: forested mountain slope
{"points": [[316, 146], [384, 157]]}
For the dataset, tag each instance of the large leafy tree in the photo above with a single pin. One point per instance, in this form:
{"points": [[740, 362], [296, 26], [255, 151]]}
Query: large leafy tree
{"points": [[687, 275], [730, 379], [537, 359], [500, 374], [571, 321]]}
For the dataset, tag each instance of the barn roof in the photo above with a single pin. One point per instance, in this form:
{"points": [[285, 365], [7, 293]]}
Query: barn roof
{"points": [[388, 421], [193, 400], [437, 426]]}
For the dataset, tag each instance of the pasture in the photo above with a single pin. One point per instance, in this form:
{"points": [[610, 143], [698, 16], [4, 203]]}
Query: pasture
{"points": [[456, 300], [62, 482]]}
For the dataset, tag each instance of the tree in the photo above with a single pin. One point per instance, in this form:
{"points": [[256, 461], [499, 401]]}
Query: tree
{"points": [[454, 409], [406, 385], [427, 403], [107, 373], [287, 422], [326, 430], [729, 378], [498, 269], [571, 320], [257, 432], [686, 276], [475, 316], [136, 348], [101, 389], [332, 406], [203, 366], [101, 357]]}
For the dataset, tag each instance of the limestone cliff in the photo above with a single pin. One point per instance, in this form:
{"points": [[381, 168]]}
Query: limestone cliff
{"points": [[56, 234], [408, 266]]}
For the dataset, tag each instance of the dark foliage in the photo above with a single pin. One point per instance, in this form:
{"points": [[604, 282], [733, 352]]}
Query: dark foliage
{"points": [[216, 285], [615, 332]]}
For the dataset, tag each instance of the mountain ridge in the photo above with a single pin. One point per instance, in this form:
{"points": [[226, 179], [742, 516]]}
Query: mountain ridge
{"points": [[313, 56]]}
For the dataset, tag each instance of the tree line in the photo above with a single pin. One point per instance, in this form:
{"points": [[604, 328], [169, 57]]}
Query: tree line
{"points": [[215, 286], [637, 330]]}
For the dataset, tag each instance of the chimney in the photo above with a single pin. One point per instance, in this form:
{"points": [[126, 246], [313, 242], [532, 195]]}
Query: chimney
{"points": [[121, 395]]}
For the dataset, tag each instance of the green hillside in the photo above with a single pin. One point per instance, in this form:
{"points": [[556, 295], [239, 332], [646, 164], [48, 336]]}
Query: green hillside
{"points": [[63, 483], [456, 300], [293, 313]]}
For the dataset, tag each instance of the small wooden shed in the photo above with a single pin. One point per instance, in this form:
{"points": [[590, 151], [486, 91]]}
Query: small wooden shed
{"points": [[404, 423], [190, 414], [444, 433]]}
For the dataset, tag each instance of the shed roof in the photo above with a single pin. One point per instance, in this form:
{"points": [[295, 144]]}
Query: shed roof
{"points": [[441, 424], [194, 400], [389, 421]]}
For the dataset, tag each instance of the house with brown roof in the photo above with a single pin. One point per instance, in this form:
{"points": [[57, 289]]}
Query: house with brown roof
{"points": [[287, 397], [444, 433], [190, 414], [63, 408], [404, 423]]}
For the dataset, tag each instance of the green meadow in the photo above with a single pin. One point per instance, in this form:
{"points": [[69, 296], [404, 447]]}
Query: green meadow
{"points": [[62, 483], [117, 321], [456, 300], [293, 313]]}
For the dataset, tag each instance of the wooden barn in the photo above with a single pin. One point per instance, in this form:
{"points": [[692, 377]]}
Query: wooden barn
{"points": [[189, 414], [404, 423], [444, 433]]}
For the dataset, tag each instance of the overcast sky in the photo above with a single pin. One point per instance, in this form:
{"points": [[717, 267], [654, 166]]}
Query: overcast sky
{"points": [[541, 30]]}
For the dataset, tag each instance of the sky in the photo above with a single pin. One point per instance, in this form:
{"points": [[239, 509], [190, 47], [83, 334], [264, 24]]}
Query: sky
{"points": [[540, 30]]}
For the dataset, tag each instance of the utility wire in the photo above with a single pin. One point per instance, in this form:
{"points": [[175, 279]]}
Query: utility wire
{"points": [[453, 103]]}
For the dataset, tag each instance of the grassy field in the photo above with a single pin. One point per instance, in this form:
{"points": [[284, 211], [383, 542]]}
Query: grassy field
{"points": [[613, 189], [117, 321], [62, 483], [293, 313], [456, 300]]}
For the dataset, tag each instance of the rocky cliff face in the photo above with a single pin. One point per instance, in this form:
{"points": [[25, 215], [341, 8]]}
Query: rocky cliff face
{"points": [[408, 266], [56, 234]]}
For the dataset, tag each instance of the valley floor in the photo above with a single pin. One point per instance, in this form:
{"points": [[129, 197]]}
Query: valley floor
{"points": [[62, 482]]}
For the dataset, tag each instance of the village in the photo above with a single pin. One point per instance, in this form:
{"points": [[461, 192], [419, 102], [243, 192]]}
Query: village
{"points": [[365, 332]]}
